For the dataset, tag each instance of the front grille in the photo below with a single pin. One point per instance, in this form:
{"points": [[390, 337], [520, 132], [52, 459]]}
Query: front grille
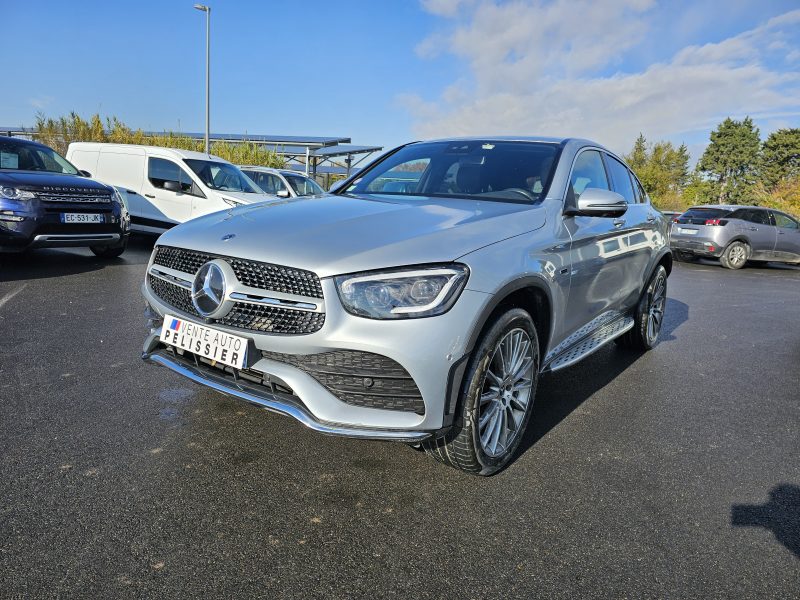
{"points": [[264, 276], [255, 317], [88, 196], [359, 378]]}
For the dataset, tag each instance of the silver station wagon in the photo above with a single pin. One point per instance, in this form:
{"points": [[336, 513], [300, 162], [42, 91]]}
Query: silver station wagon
{"points": [[420, 301]]}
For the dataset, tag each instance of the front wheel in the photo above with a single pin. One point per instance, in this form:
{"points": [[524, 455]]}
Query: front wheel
{"points": [[649, 316], [496, 398], [110, 251]]}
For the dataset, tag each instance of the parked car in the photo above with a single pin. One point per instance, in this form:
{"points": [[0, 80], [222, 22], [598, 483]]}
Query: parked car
{"points": [[736, 234], [166, 186], [283, 183], [45, 201], [424, 315]]}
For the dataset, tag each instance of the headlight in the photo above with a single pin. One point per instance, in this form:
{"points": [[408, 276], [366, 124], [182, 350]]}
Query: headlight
{"points": [[231, 202], [406, 294], [10, 193]]}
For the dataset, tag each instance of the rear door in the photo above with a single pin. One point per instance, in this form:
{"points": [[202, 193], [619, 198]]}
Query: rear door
{"points": [[639, 228], [757, 226], [787, 245]]}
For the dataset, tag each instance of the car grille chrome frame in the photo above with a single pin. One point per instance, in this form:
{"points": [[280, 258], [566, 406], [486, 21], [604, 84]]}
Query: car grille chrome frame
{"points": [[266, 298]]}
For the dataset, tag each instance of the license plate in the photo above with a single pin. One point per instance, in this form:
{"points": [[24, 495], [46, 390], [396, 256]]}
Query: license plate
{"points": [[81, 218], [208, 342], [687, 231]]}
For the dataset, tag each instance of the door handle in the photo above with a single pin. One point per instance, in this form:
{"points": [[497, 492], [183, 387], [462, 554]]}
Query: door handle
{"points": [[651, 218], [754, 229], [130, 192], [149, 196], [618, 222], [780, 233]]}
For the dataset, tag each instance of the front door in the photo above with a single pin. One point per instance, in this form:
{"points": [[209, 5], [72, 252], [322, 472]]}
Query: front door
{"points": [[168, 206], [757, 226], [787, 246]]}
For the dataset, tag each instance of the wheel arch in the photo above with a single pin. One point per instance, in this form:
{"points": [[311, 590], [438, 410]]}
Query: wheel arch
{"points": [[530, 293]]}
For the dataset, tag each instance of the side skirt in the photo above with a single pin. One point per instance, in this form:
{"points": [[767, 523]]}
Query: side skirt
{"points": [[588, 344]]}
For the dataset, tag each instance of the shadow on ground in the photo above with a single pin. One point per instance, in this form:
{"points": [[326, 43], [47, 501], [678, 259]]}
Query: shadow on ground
{"points": [[780, 515]]}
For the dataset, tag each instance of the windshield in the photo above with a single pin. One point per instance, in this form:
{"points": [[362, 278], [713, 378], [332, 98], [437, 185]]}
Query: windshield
{"points": [[24, 156], [224, 177], [485, 170], [303, 186]]}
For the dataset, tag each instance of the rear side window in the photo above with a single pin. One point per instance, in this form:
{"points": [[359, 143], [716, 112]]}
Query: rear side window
{"points": [[160, 170], [588, 172], [782, 220], [621, 179], [751, 215]]}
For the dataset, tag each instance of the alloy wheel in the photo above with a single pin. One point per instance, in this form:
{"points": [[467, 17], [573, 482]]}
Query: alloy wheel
{"points": [[737, 255], [506, 392], [655, 315]]}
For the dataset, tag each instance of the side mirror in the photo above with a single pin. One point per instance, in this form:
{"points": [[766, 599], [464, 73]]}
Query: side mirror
{"points": [[336, 185], [594, 202], [83, 173], [282, 194], [172, 186]]}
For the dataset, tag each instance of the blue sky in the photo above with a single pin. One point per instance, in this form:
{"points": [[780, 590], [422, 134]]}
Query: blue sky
{"points": [[386, 71]]}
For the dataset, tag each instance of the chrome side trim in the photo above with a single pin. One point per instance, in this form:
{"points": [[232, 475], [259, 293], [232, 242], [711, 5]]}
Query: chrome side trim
{"points": [[252, 299], [171, 278], [273, 403]]}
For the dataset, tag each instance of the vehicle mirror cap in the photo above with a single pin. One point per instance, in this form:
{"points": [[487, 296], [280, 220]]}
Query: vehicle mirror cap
{"points": [[594, 202], [83, 173], [282, 194], [173, 186]]}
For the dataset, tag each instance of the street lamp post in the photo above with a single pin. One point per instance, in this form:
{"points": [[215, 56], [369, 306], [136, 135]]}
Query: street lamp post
{"points": [[207, 10]]}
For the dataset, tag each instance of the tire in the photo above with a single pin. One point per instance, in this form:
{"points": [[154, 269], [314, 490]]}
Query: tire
{"points": [[109, 251], [735, 255], [682, 256], [649, 315], [488, 391]]}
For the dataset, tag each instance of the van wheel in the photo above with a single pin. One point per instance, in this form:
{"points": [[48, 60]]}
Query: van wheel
{"points": [[735, 255], [649, 316], [109, 251], [496, 398]]}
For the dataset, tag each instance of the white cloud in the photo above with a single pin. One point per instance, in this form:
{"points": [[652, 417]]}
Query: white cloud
{"points": [[542, 68], [40, 102]]}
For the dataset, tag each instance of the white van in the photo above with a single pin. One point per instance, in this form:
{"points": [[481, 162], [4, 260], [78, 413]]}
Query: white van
{"points": [[166, 186]]}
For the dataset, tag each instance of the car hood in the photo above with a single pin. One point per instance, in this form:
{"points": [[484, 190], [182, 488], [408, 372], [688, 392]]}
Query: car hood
{"points": [[331, 234], [38, 179], [243, 198]]}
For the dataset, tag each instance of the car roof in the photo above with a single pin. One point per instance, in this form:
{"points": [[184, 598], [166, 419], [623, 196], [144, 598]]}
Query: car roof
{"points": [[191, 154], [23, 141], [727, 206], [272, 170]]}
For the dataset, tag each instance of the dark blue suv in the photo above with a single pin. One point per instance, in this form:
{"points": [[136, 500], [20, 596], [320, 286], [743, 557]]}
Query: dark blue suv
{"points": [[45, 202]]}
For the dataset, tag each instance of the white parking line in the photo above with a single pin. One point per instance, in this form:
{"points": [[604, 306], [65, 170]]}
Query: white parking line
{"points": [[10, 295]]}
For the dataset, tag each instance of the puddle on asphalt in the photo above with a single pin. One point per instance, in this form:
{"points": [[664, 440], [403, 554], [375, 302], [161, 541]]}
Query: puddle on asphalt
{"points": [[173, 399]]}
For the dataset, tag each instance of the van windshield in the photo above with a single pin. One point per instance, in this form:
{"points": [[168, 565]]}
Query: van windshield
{"points": [[25, 156], [224, 177]]}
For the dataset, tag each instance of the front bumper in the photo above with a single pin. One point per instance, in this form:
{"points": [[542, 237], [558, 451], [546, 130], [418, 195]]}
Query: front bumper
{"points": [[431, 350], [37, 224], [278, 403]]}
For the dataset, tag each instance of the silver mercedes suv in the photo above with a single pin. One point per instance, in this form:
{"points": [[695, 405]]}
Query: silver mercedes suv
{"points": [[420, 301]]}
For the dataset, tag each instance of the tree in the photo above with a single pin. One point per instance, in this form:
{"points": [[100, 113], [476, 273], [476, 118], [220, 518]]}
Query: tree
{"points": [[780, 157], [731, 160], [662, 168]]}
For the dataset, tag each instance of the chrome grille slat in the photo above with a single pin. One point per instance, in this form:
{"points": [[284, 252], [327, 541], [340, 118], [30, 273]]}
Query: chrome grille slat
{"points": [[75, 197], [252, 273]]}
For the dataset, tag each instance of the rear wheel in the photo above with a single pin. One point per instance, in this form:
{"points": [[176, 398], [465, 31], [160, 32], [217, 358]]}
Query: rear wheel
{"points": [[649, 315], [496, 398], [735, 255]]}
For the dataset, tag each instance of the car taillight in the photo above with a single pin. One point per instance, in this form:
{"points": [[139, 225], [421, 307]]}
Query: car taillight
{"points": [[716, 222]]}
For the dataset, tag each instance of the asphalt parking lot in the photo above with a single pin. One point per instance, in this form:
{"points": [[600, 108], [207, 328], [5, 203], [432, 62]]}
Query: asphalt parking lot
{"points": [[672, 474]]}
